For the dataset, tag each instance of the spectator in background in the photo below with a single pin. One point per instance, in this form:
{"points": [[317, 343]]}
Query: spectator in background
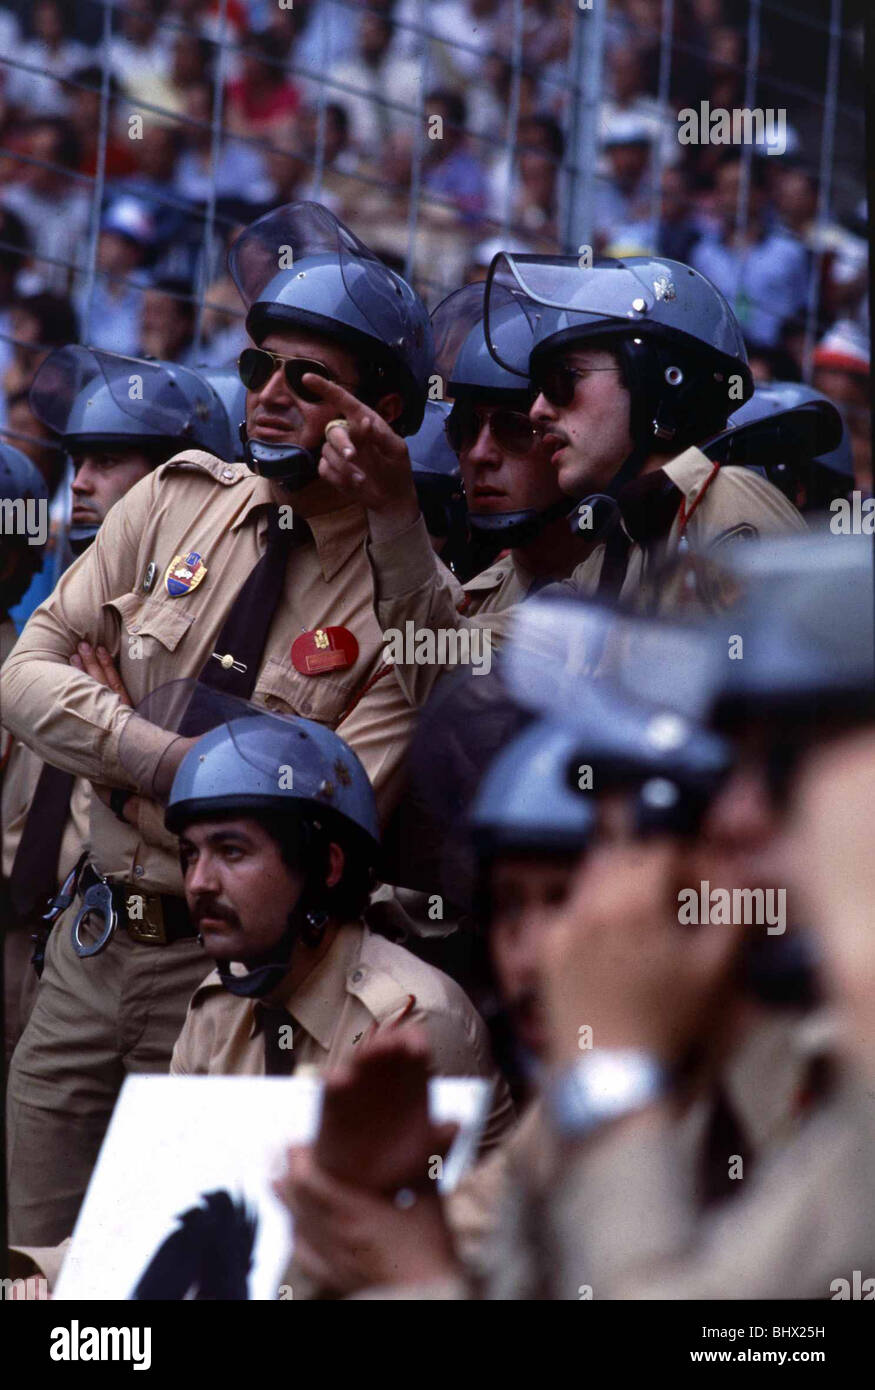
{"points": [[127, 236], [222, 326], [452, 171], [35, 439], [375, 76], [679, 227], [677, 231], [287, 165], [239, 169], [167, 322], [55, 209], [323, 32], [841, 371], [14, 250], [262, 99], [140, 54], [151, 184], [624, 194], [764, 273], [52, 55], [534, 201], [38, 324], [191, 61], [85, 101], [845, 258], [481, 26], [629, 99], [771, 363]]}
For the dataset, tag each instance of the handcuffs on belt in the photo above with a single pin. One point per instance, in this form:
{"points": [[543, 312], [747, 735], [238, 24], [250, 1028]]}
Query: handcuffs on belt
{"points": [[97, 898]]}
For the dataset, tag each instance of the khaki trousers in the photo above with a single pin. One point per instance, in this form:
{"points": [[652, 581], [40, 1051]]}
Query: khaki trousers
{"points": [[19, 982], [93, 1022]]}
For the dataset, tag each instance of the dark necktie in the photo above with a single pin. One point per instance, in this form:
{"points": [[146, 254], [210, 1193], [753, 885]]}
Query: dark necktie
{"points": [[244, 632], [35, 868], [278, 1031], [724, 1137]]}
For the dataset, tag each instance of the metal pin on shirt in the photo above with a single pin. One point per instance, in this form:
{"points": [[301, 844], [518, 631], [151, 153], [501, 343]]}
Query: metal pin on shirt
{"points": [[228, 663]]}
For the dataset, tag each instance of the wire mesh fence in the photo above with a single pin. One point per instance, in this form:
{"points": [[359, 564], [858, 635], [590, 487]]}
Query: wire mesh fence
{"points": [[138, 136]]}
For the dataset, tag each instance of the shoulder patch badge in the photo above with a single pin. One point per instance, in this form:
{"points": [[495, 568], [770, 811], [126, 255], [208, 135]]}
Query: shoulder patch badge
{"points": [[184, 573]]}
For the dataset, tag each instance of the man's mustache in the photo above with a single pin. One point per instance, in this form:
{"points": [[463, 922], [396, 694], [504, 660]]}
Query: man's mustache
{"points": [[208, 907]]}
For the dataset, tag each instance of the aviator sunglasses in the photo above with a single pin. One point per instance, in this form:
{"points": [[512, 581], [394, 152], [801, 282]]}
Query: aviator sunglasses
{"points": [[512, 430], [256, 366], [556, 380]]}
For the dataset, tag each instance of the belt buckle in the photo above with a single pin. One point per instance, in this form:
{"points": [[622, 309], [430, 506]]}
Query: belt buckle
{"points": [[149, 930]]}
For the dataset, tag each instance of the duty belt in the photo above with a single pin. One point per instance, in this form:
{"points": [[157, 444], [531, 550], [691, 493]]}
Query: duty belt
{"points": [[153, 919]]}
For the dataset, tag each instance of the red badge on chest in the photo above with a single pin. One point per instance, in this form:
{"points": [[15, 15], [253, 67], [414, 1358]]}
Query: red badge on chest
{"points": [[324, 649]]}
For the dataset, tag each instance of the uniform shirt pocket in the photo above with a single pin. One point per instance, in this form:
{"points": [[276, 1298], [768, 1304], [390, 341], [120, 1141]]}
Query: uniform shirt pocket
{"points": [[166, 623], [323, 698]]}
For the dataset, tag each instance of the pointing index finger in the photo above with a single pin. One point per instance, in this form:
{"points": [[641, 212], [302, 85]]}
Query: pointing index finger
{"points": [[335, 395]]}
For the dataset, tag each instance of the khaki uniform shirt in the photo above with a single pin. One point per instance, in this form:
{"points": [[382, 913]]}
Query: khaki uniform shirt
{"points": [[623, 1221], [722, 507], [500, 586], [193, 502], [362, 980]]}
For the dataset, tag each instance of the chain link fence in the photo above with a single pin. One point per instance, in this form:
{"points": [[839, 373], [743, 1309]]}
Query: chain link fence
{"points": [[138, 136]]}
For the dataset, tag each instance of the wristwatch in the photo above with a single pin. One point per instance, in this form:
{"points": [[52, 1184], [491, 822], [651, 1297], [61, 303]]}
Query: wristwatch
{"points": [[604, 1085]]}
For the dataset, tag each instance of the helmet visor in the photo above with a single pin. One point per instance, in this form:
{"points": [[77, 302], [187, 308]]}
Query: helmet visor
{"points": [[157, 401], [299, 232], [611, 291]]}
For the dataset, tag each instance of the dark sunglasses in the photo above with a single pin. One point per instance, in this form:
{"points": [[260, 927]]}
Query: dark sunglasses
{"points": [[256, 366], [556, 381], [512, 430]]}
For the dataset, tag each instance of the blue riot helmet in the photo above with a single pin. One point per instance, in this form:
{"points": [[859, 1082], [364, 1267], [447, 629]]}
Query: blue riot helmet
{"points": [[299, 267], [226, 383], [634, 693], [438, 483], [806, 628], [103, 402], [525, 804], [679, 345], [474, 377], [20, 480], [306, 779], [24, 501], [796, 438]]}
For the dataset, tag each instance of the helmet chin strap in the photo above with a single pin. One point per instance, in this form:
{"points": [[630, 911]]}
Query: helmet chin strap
{"points": [[287, 464], [605, 509], [517, 528], [304, 924]]}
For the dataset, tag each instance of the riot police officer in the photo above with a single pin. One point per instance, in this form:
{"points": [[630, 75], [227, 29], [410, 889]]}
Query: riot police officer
{"points": [[253, 579], [114, 440], [278, 836]]}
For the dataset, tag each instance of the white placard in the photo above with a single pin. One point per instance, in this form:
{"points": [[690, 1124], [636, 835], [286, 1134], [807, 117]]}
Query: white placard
{"points": [[173, 1139]]}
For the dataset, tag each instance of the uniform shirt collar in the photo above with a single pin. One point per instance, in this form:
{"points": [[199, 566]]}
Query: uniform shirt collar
{"points": [[689, 470], [317, 1002], [336, 534], [650, 503]]}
